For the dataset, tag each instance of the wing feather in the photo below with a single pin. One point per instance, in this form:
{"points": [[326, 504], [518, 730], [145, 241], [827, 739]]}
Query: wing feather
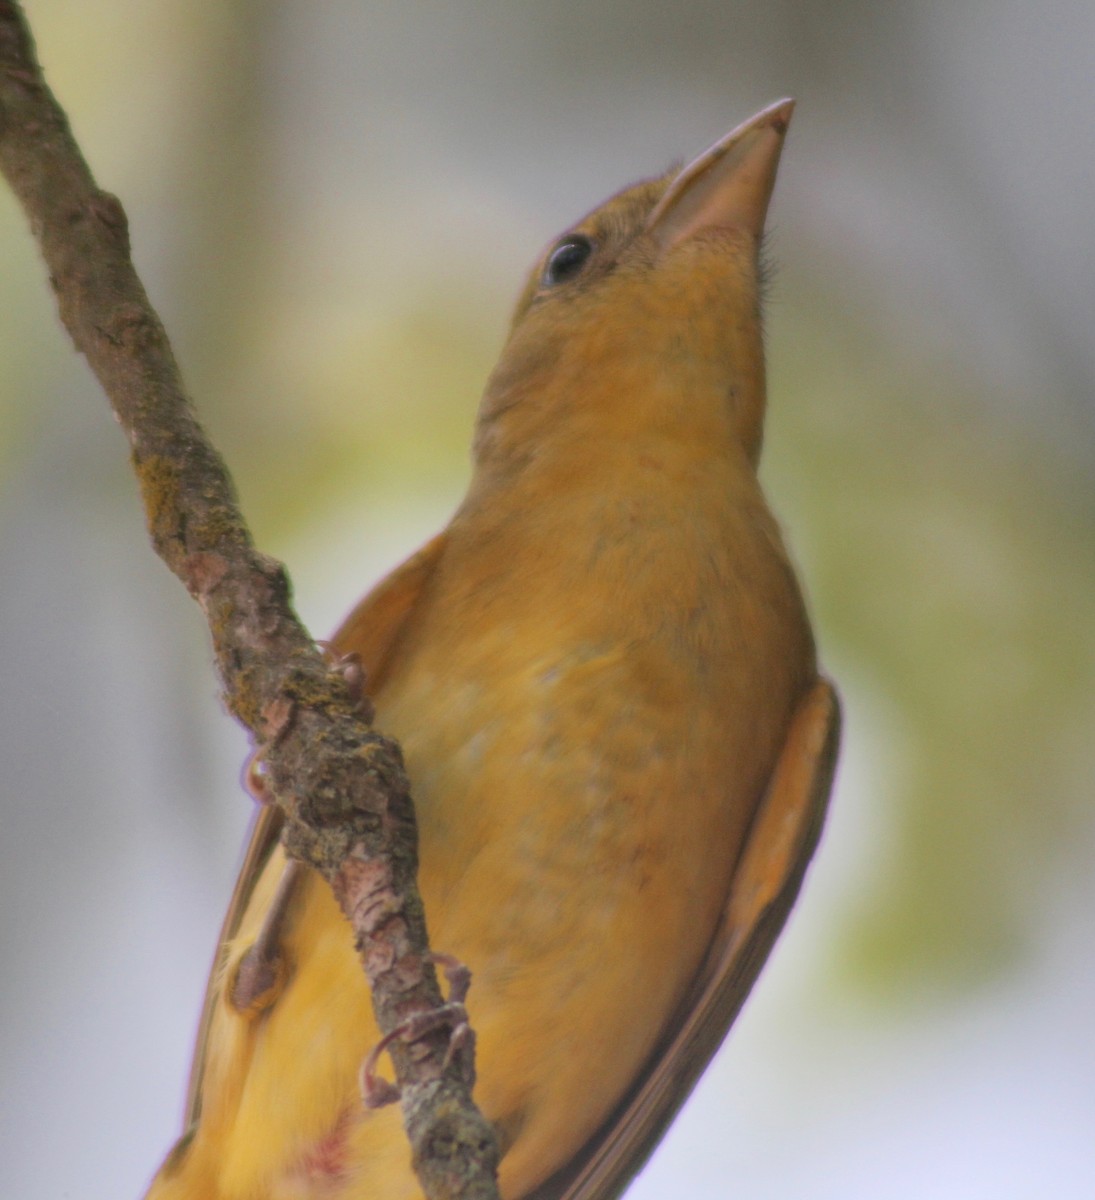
{"points": [[767, 880]]}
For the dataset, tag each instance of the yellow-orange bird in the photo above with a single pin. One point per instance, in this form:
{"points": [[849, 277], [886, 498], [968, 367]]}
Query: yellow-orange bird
{"points": [[604, 680]]}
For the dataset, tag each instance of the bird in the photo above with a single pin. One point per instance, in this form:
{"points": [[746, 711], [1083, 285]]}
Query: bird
{"points": [[620, 744]]}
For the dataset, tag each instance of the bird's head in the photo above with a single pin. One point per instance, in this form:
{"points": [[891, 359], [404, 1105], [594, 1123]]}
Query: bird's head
{"points": [[643, 318]]}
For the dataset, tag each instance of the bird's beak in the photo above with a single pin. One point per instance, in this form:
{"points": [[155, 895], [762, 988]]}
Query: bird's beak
{"points": [[729, 185]]}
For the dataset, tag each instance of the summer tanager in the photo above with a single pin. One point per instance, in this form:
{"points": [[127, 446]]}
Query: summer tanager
{"points": [[604, 681]]}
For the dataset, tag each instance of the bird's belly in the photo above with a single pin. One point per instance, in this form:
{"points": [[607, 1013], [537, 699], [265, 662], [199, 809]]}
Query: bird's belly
{"points": [[579, 825], [577, 846]]}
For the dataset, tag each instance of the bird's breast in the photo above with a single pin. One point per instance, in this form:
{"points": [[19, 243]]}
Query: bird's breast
{"points": [[577, 667], [590, 703]]}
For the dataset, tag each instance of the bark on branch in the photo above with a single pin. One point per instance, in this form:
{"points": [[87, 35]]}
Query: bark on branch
{"points": [[340, 784]]}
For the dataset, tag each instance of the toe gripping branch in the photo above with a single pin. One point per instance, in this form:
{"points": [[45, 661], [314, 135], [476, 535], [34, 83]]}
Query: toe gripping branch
{"points": [[262, 971], [377, 1091]]}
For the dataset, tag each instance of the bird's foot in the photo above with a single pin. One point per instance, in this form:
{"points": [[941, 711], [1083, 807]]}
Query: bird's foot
{"points": [[260, 975], [253, 776], [353, 675], [377, 1091]]}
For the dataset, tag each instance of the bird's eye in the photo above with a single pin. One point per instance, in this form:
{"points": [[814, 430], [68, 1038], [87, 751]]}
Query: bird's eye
{"points": [[567, 259]]}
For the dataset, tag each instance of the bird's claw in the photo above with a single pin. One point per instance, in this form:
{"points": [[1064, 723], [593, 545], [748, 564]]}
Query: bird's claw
{"points": [[377, 1091], [353, 675], [253, 776], [352, 672]]}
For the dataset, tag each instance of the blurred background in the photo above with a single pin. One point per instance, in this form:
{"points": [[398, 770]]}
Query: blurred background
{"points": [[333, 206]]}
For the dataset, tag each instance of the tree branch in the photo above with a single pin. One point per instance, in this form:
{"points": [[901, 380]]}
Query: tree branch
{"points": [[340, 785]]}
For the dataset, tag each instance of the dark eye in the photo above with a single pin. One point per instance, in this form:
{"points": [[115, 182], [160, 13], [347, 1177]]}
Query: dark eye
{"points": [[567, 259]]}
